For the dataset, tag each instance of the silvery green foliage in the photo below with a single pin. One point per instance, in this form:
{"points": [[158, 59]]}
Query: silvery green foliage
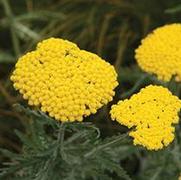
{"points": [[54, 150]]}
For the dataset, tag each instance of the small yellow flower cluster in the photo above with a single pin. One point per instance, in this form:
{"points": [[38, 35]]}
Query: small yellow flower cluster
{"points": [[150, 113], [63, 80], [160, 52]]}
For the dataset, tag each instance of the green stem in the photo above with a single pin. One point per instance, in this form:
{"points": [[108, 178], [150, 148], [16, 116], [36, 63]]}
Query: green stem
{"points": [[103, 146], [60, 141], [174, 86], [123, 42], [9, 14], [103, 30], [178, 90], [135, 87]]}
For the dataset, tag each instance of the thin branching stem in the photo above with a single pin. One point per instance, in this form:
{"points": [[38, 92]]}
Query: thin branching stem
{"points": [[103, 146], [135, 87], [60, 141]]}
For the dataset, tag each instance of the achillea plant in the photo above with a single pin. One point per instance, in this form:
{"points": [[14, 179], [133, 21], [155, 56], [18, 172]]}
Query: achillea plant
{"points": [[150, 114], [53, 78], [64, 81], [160, 52], [67, 84]]}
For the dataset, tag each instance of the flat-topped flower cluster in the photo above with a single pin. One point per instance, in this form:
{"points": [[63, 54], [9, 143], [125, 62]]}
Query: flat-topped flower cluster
{"points": [[160, 52], [63, 80], [150, 114]]}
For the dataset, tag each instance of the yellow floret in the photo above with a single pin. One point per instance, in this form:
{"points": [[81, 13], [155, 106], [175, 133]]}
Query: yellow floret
{"points": [[160, 52], [63, 80], [150, 113]]}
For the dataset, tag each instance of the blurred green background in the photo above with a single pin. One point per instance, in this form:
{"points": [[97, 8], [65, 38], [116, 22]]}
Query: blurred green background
{"points": [[110, 28]]}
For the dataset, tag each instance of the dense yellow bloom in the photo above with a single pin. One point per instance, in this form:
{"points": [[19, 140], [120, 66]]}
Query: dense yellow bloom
{"points": [[150, 113], [63, 80], [160, 52]]}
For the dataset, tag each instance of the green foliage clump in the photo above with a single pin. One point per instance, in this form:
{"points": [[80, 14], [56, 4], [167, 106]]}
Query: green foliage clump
{"points": [[65, 151]]}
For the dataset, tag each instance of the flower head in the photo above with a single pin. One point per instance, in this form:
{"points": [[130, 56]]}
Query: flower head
{"points": [[63, 80], [160, 52], [150, 114]]}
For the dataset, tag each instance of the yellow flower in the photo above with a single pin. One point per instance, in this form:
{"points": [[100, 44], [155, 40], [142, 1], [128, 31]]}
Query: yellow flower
{"points": [[63, 80], [160, 52], [150, 113]]}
